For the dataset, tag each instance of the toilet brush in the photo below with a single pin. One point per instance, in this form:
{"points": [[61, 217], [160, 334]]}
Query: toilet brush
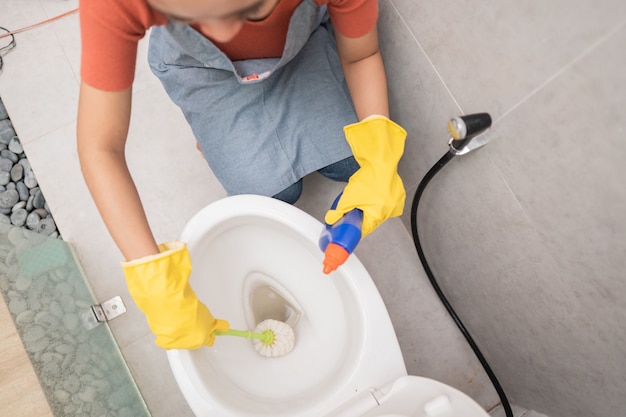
{"points": [[271, 338]]}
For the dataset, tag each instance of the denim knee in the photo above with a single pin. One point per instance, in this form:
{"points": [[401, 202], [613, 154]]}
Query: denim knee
{"points": [[341, 170], [290, 194]]}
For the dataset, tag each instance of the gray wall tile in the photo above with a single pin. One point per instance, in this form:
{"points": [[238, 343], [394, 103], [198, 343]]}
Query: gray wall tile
{"points": [[493, 53], [526, 235]]}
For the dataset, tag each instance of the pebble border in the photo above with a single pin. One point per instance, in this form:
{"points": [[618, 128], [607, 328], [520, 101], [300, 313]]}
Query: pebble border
{"points": [[22, 202]]}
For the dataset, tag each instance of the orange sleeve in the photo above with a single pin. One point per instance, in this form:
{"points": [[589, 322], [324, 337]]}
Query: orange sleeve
{"points": [[352, 18], [110, 31]]}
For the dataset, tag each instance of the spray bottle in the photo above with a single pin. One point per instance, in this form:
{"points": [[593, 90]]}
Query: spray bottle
{"points": [[339, 240]]}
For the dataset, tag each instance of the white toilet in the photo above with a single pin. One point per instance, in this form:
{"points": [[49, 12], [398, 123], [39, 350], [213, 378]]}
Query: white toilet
{"points": [[255, 258]]}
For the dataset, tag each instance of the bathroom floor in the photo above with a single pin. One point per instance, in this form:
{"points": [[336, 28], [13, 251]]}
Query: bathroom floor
{"points": [[39, 87], [517, 412]]}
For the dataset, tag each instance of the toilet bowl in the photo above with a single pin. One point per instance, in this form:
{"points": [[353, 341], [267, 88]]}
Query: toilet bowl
{"points": [[255, 258]]}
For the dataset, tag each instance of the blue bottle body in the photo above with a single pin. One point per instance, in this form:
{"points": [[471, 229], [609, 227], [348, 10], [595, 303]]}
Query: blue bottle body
{"points": [[345, 233]]}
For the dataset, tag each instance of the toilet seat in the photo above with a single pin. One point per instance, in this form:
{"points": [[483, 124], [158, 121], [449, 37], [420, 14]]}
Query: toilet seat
{"points": [[347, 360], [411, 396]]}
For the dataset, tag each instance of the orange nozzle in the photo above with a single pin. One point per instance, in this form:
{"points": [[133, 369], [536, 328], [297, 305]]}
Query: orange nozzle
{"points": [[334, 256]]}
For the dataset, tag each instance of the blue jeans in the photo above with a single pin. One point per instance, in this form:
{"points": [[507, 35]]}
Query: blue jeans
{"points": [[339, 171]]}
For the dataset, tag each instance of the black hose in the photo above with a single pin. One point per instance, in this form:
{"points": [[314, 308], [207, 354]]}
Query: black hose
{"points": [[416, 198]]}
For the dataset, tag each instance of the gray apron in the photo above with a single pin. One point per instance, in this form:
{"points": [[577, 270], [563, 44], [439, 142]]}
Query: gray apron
{"points": [[262, 124]]}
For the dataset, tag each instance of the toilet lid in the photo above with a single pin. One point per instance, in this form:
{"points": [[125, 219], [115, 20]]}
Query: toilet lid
{"points": [[413, 396]]}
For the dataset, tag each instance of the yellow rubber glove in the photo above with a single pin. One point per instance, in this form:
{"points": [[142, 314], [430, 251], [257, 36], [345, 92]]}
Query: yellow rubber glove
{"points": [[376, 188], [159, 284]]}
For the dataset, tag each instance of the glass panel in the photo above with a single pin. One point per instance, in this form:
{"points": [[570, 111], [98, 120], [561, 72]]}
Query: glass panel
{"points": [[77, 361]]}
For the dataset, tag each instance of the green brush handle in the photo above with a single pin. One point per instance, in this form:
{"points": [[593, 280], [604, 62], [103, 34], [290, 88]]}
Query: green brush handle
{"points": [[266, 337]]}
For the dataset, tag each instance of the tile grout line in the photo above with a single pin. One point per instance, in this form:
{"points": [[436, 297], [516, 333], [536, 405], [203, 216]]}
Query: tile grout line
{"points": [[527, 217], [513, 194], [456, 103], [585, 53], [563, 69], [62, 46]]}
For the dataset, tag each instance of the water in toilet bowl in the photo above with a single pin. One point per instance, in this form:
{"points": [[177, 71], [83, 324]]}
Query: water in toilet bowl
{"points": [[265, 298]]}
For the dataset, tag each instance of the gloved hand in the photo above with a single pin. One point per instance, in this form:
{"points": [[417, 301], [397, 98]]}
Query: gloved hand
{"points": [[376, 188], [159, 284]]}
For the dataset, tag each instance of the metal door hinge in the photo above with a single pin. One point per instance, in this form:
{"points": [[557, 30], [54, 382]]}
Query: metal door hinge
{"points": [[109, 310]]}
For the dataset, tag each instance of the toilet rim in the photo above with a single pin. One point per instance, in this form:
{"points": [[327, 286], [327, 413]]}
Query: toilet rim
{"points": [[284, 213], [215, 218], [249, 204], [415, 396]]}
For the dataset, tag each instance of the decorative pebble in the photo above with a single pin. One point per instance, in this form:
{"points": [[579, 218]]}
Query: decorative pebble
{"points": [[6, 165], [56, 310], [33, 333], [37, 345], [16, 236], [9, 198], [18, 217], [19, 205], [17, 172], [39, 201], [22, 190], [47, 320], [7, 154], [51, 357], [29, 177], [46, 226], [69, 409], [102, 385], [25, 163], [88, 394], [42, 213], [6, 131], [64, 349], [23, 282], [71, 384], [15, 146], [66, 302], [32, 220], [3, 111], [17, 306], [29, 201], [5, 177], [61, 395], [25, 317], [70, 322], [51, 368], [65, 288]]}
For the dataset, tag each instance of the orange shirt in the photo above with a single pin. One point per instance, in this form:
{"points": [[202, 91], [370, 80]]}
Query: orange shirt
{"points": [[110, 30]]}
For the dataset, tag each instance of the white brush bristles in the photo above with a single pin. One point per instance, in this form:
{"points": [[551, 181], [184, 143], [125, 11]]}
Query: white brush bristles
{"points": [[284, 339]]}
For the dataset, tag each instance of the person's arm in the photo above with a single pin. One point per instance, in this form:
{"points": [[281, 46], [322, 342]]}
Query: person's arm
{"points": [[377, 143], [157, 276], [364, 72], [103, 120]]}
